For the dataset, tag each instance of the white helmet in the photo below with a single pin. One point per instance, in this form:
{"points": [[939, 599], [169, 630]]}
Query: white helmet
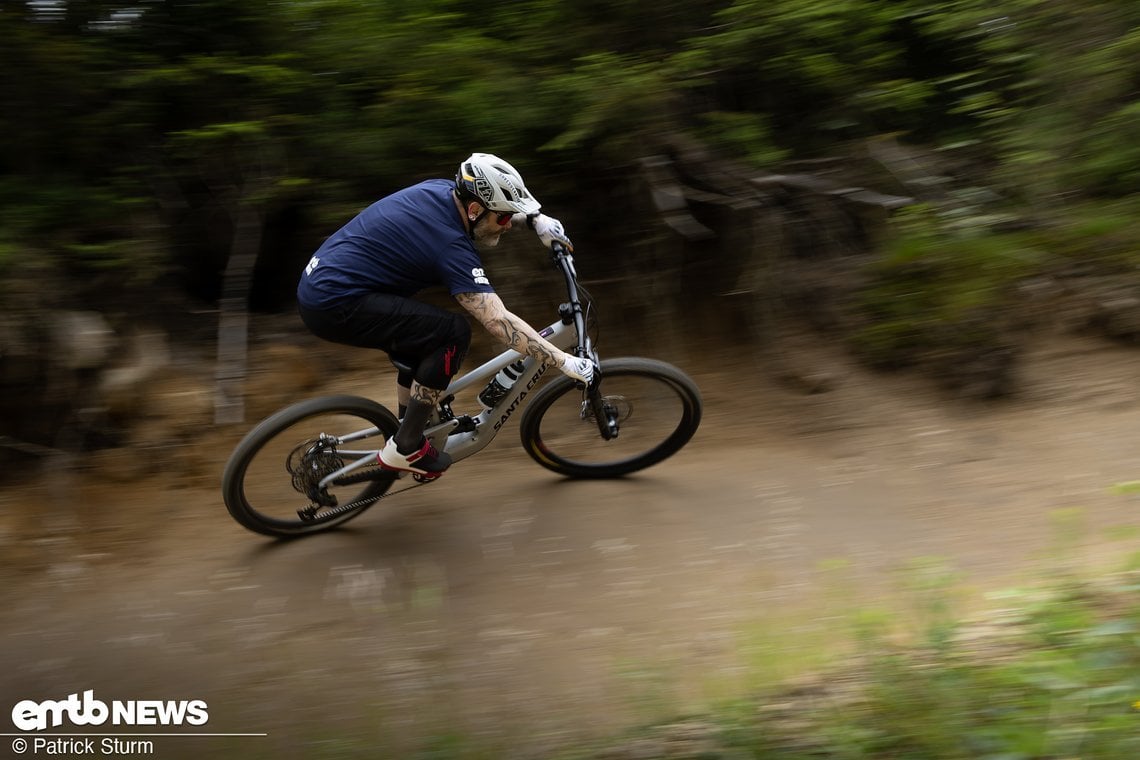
{"points": [[496, 184]]}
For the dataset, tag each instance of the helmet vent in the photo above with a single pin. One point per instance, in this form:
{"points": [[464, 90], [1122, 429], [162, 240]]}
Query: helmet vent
{"points": [[495, 183]]}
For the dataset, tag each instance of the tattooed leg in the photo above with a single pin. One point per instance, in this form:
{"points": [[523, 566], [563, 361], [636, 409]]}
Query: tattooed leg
{"points": [[424, 394]]}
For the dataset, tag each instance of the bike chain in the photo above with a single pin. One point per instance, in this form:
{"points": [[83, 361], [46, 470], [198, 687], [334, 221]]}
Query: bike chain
{"points": [[352, 505]]}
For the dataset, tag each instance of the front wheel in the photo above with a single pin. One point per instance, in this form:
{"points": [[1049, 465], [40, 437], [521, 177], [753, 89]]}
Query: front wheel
{"points": [[271, 483], [658, 409]]}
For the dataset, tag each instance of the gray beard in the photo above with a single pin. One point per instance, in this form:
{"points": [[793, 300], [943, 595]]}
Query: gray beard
{"points": [[484, 243]]}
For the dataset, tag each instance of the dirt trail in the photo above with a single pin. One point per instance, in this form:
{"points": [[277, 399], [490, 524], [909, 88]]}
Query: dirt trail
{"points": [[523, 612]]}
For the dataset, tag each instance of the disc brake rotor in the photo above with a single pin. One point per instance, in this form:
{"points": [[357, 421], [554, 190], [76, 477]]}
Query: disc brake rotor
{"points": [[620, 405]]}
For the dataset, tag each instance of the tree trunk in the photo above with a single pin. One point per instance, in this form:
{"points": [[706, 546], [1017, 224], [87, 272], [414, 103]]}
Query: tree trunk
{"points": [[233, 319]]}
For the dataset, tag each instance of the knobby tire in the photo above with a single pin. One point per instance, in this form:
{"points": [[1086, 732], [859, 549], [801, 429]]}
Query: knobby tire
{"points": [[660, 393], [235, 487]]}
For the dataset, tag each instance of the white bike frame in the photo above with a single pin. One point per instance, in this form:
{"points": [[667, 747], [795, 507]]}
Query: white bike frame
{"points": [[486, 424], [490, 421]]}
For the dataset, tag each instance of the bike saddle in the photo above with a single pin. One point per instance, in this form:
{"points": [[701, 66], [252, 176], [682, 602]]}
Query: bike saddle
{"points": [[402, 363]]}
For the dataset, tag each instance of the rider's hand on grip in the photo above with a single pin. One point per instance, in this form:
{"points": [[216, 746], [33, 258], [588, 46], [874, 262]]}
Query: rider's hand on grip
{"points": [[578, 368], [550, 229]]}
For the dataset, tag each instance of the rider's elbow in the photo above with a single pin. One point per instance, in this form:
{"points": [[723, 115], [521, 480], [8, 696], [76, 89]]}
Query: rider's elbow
{"points": [[498, 330]]}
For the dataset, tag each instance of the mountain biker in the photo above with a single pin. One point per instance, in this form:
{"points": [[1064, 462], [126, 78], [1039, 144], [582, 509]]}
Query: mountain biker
{"points": [[357, 289]]}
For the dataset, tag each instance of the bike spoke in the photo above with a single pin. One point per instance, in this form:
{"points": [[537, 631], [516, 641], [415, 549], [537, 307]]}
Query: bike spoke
{"points": [[656, 409], [286, 482]]}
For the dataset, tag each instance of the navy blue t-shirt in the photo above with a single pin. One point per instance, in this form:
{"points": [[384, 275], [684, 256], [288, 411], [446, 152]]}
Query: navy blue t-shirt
{"points": [[401, 244]]}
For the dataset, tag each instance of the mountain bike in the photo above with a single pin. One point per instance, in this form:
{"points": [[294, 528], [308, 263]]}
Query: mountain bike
{"points": [[315, 465]]}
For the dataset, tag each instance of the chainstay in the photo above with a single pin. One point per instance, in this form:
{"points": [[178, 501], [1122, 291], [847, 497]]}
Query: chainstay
{"points": [[353, 505]]}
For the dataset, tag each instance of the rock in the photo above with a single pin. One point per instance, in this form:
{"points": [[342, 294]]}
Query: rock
{"points": [[809, 382], [1119, 317], [146, 353], [80, 339], [978, 372]]}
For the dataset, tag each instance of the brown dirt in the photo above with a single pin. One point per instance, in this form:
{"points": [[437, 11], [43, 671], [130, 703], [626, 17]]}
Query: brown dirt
{"points": [[523, 612]]}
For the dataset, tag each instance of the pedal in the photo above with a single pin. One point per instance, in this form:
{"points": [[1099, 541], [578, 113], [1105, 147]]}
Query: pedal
{"points": [[426, 477]]}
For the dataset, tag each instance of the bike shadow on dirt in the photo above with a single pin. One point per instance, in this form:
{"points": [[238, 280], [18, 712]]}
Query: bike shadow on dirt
{"points": [[472, 537]]}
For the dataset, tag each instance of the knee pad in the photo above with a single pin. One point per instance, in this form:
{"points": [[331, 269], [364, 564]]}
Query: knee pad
{"points": [[442, 364]]}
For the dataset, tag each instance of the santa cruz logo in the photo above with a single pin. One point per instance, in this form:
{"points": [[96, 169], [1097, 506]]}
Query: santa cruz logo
{"points": [[28, 715], [515, 404]]}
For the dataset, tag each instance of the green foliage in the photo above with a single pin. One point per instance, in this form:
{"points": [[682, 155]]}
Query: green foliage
{"points": [[935, 289], [325, 104], [1101, 233], [745, 135], [609, 101], [1107, 161], [66, 226], [1052, 674]]}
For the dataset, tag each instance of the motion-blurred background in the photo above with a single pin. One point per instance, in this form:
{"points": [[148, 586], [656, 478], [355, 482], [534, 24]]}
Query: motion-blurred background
{"points": [[926, 203]]}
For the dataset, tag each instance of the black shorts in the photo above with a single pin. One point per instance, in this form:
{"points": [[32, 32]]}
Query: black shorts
{"points": [[429, 339]]}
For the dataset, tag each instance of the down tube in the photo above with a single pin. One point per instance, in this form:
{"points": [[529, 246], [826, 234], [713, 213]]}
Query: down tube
{"points": [[462, 445]]}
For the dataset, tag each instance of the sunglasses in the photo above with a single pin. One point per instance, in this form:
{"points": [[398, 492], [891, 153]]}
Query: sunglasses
{"points": [[501, 217]]}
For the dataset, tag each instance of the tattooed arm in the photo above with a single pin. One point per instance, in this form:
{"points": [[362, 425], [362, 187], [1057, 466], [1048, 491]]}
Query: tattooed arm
{"points": [[489, 309]]}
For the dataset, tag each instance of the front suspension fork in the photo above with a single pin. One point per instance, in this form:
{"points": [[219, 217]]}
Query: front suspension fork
{"points": [[605, 414]]}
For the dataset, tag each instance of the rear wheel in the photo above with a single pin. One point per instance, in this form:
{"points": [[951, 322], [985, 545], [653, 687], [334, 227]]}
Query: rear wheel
{"points": [[658, 409], [270, 483]]}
